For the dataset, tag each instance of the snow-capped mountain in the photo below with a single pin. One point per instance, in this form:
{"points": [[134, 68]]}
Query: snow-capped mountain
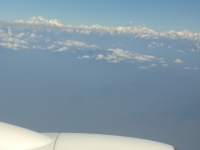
{"points": [[41, 21], [38, 29], [113, 44], [136, 31]]}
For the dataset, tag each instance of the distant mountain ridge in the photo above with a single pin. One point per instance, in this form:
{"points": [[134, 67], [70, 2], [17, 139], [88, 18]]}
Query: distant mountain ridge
{"points": [[129, 44], [40, 20], [130, 29]]}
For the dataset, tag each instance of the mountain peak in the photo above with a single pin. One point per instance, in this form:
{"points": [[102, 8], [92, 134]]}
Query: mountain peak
{"points": [[41, 20], [138, 31]]}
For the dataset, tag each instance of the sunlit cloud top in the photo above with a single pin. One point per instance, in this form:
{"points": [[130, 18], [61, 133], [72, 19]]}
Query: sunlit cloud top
{"points": [[135, 44]]}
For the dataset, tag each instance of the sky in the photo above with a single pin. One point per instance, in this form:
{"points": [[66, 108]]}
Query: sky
{"points": [[159, 15], [81, 66]]}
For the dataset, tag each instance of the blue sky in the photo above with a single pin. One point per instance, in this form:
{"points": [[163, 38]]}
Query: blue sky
{"points": [[158, 15]]}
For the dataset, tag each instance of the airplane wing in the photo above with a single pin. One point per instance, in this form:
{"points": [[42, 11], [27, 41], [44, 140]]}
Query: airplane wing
{"points": [[17, 138]]}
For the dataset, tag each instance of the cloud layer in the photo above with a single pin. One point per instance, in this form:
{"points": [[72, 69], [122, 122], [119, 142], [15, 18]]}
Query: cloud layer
{"points": [[135, 44]]}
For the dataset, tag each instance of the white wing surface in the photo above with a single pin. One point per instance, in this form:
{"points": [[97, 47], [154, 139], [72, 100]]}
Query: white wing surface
{"points": [[17, 138]]}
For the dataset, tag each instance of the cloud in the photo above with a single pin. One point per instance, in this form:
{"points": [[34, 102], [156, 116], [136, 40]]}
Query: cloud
{"points": [[178, 61], [117, 55], [154, 44], [192, 50], [70, 43], [20, 35], [137, 31], [114, 61], [198, 45], [140, 57], [13, 46], [152, 65], [62, 49], [38, 47], [162, 61], [195, 68], [111, 44], [12, 41], [85, 56], [165, 65], [186, 68], [100, 57], [180, 51], [9, 32], [33, 35], [51, 47], [125, 54], [142, 67]]}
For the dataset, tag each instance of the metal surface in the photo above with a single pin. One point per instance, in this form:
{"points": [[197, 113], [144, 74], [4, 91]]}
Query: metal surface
{"points": [[17, 138], [72, 141]]}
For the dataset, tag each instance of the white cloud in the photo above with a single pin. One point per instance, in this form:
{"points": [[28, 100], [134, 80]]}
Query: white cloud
{"points": [[165, 65], [14, 46], [20, 35], [138, 31], [14, 40], [85, 56], [178, 61], [18, 21], [38, 47], [33, 35], [62, 49], [100, 57], [186, 68], [70, 43], [117, 55], [9, 32], [142, 67], [51, 47], [66, 37], [125, 54], [143, 58], [154, 44], [195, 68], [162, 61], [198, 45], [140, 57], [114, 61], [152, 65], [59, 42], [2, 33], [180, 51], [192, 50]]}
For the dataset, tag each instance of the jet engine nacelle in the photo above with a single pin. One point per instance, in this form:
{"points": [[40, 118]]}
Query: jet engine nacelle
{"points": [[17, 138]]}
